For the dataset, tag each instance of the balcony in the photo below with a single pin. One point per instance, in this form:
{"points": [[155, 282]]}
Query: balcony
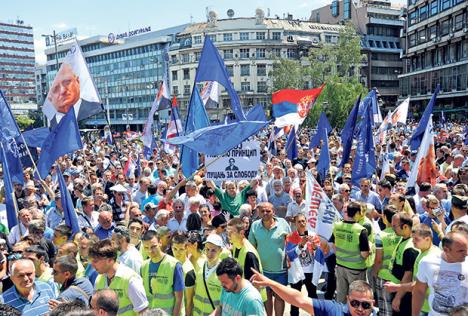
{"points": [[387, 22]]}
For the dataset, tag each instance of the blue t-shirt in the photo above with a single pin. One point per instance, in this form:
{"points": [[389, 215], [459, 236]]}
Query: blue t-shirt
{"points": [[331, 308], [38, 306], [178, 275], [155, 199], [426, 219]]}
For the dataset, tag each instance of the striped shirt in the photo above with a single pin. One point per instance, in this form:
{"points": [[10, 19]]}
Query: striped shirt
{"points": [[37, 306]]}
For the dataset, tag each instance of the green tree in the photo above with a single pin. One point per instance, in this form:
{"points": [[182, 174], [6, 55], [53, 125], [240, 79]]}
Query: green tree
{"points": [[286, 74], [24, 121]]}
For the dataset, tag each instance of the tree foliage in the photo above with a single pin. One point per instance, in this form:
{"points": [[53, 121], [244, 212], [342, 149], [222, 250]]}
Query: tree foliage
{"points": [[24, 121], [338, 65]]}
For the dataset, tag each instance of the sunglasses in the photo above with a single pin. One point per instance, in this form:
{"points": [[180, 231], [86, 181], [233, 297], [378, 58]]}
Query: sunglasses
{"points": [[363, 304]]}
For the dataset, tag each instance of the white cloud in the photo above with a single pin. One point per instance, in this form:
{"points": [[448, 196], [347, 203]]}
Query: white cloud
{"points": [[60, 26], [39, 47]]}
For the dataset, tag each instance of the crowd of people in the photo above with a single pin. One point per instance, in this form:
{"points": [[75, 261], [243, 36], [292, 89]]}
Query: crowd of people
{"points": [[153, 242]]}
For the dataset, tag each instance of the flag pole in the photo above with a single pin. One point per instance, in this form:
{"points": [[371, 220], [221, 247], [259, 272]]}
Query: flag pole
{"points": [[15, 204]]}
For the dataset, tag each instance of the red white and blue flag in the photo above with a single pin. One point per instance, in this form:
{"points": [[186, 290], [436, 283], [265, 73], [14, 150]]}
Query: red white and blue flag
{"points": [[290, 107], [210, 94], [174, 127]]}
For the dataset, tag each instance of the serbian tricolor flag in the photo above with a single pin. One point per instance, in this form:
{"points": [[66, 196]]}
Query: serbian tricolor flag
{"points": [[129, 168], [174, 127], [290, 107], [401, 113], [424, 168]]}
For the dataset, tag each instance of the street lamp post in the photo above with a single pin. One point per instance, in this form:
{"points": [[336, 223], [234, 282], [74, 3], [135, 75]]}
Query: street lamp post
{"points": [[54, 36]]}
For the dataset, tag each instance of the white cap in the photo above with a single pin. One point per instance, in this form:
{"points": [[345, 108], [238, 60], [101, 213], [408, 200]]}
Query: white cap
{"points": [[214, 239], [118, 188]]}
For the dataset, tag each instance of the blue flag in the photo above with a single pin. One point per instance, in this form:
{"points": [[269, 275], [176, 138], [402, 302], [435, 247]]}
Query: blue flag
{"points": [[323, 164], [364, 161], [348, 132], [418, 134], [12, 169], [442, 118], [216, 140], [67, 204], [211, 68], [196, 119], [291, 145], [322, 123], [63, 139]]}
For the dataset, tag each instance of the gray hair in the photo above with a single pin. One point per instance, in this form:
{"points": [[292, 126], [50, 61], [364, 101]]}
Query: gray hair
{"points": [[245, 209], [13, 265]]}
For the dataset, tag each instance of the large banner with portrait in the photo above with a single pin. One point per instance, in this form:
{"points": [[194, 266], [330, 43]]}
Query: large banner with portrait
{"points": [[320, 211], [72, 86], [240, 163]]}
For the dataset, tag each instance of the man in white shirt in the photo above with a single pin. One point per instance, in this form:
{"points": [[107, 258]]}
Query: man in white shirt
{"points": [[22, 229], [191, 190], [446, 276], [129, 255], [179, 221]]}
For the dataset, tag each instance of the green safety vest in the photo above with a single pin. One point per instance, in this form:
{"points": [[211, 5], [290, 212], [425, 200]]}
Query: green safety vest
{"points": [[371, 259], [160, 288], [347, 245], [187, 266], [201, 302], [433, 250], [120, 286], [248, 247], [397, 257], [390, 241]]}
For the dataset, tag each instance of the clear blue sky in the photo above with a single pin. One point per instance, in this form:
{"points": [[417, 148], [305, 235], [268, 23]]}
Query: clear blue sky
{"points": [[92, 17]]}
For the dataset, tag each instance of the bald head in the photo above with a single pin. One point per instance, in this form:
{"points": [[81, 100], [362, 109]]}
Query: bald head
{"points": [[105, 219]]}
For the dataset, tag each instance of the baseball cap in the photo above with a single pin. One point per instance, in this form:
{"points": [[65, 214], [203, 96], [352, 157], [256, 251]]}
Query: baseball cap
{"points": [[118, 188], [150, 205], [214, 239]]}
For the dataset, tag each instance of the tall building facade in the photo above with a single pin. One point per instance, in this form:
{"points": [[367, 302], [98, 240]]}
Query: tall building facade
{"points": [[379, 24], [435, 50], [17, 79], [249, 47], [126, 69]]}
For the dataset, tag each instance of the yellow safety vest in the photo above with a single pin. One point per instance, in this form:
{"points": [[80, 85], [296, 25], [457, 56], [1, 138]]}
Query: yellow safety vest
{"points": [[348, 253], [201, 302], [160, 288], [390, 241], [398, 254], [371, 259], [120, 286], [248, 247]]}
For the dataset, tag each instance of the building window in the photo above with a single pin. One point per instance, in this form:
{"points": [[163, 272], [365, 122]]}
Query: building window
{"points": [[230, 70], [174, 75], [197, 39], [245, 86], [458, 24], [245, 70], [276, 36], [244, 53], [261, 86], [186, 74], [187, 89], [175, 90], [412, 40], [244, 36], [444, 27], [174, 59], [197, 56], [423, 13], [260, 35], [445, 4], [328, 38], [434, 7], [227, 37], [276, 52], [212, 37], [421, 36], [260, 53], [347, 9], [433, 31], [292, 53], [413, 17], [185, 58], [228, 54], [335, 8], [261, 70]]}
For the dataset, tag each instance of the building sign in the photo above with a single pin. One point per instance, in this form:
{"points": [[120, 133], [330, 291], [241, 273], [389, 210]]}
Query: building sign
{"points": [[112, 37], [61, 37], [239, 163]]}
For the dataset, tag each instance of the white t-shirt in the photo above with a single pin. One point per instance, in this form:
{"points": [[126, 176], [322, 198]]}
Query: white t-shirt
{"points": [[447, 282]]}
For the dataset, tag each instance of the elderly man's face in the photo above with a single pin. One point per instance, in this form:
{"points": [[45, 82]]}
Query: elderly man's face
{"points": [[65, 91], [24, 274]]}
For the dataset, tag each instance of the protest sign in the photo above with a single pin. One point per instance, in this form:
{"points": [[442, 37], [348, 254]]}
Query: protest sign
{"points": [[239, 163], [320, 212]]}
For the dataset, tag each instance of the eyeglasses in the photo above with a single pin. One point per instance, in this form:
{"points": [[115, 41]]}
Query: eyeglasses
{"points": [[363, 304], [56, 272]]}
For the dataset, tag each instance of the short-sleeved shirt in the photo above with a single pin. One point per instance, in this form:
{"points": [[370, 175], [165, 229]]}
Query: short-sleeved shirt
{"points": [[270, 244], [39, 305], [331, 308], [245, 303], [447, 282], [179, 281]]}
